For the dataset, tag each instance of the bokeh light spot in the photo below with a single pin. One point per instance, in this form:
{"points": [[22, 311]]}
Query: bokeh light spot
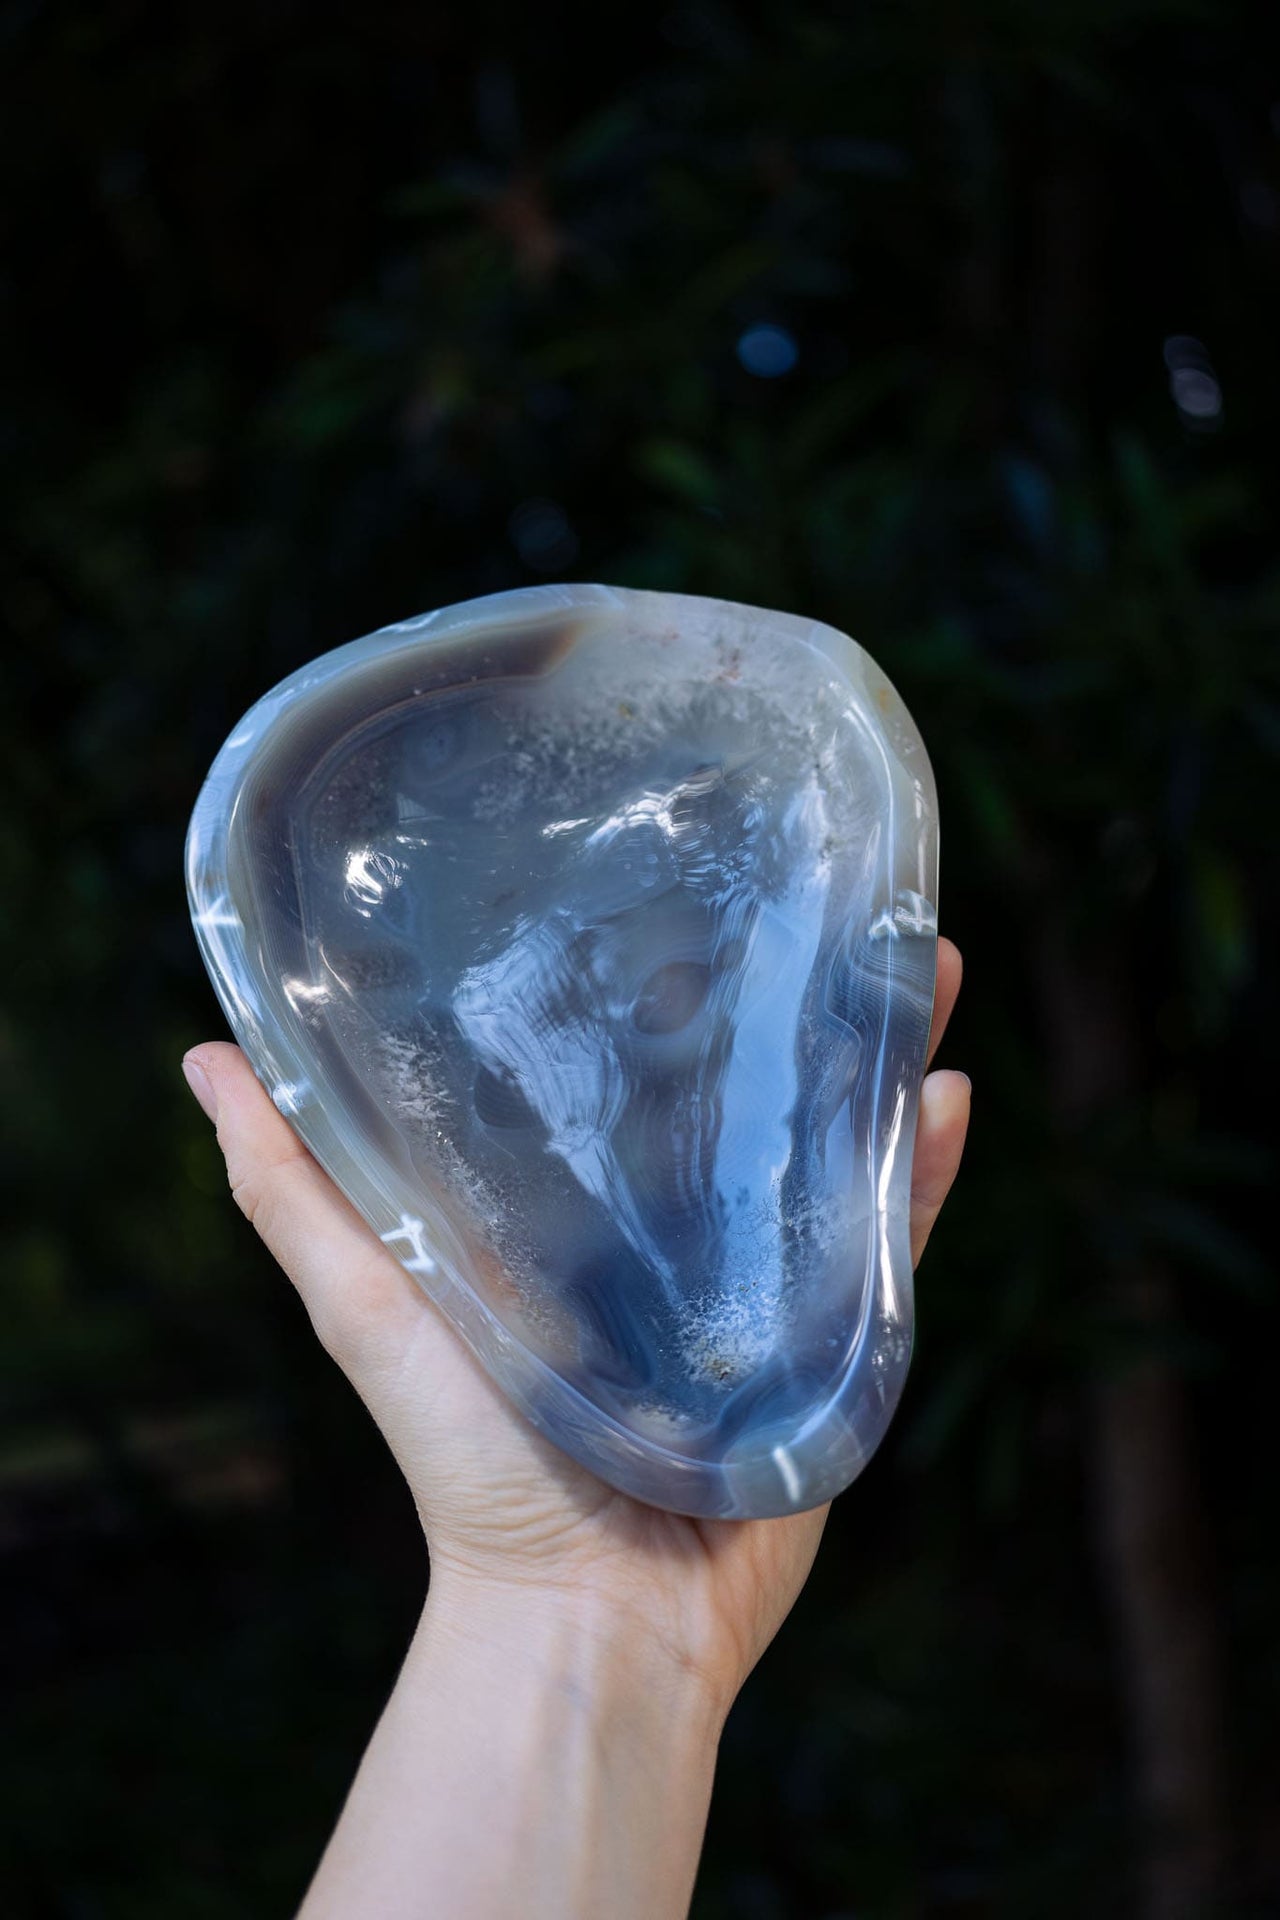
{"points": [[1193, 384], [542, 536], [768, 352]]}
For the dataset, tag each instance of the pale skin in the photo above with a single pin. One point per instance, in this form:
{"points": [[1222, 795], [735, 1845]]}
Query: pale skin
{"points": [[549, 1746]]}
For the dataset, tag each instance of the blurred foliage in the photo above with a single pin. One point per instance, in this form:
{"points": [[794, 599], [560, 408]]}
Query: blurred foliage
{"points": [[315, 321]]}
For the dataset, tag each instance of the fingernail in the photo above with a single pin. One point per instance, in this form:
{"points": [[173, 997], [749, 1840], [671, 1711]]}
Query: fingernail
{"points": [[202, 1087]]}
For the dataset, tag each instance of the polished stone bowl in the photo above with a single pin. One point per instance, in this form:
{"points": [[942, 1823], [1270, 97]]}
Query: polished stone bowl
{"points": [[587, 939]]}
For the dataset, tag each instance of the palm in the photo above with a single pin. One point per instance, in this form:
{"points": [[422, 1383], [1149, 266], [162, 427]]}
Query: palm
{"points": [[512, 1508]]}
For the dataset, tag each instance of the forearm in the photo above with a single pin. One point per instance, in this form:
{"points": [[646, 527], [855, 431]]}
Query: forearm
{"points": [[538, 1757]]}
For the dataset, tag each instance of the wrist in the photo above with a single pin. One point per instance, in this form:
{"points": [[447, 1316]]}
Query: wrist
{"points": [[610, 1656], [598, 1747], [538, 1755]]}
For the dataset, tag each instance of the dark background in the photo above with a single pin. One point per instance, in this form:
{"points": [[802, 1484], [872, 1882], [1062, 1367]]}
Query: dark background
{"points": [[317, 316]]}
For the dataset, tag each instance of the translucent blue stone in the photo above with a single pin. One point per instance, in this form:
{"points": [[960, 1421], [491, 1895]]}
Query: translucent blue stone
{"points": [[587, 938]]}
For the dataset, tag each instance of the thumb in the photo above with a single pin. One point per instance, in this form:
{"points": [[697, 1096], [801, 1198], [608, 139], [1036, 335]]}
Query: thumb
{"points": [[362, 1304]]}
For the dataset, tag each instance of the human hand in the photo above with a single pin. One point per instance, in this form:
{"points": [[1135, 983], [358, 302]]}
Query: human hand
{"points": [[512, 1522]]}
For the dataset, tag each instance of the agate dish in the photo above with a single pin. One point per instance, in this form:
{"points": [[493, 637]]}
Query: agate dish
{"points": [[587, 938]]}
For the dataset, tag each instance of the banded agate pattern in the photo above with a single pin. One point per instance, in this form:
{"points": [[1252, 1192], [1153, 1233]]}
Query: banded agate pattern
{"points": [[586, 937]]}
